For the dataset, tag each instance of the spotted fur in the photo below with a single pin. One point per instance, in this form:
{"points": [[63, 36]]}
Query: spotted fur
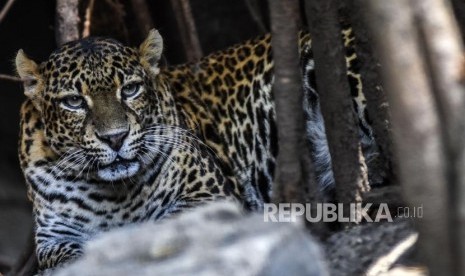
{"points": [[316, 132], [108, 138]]}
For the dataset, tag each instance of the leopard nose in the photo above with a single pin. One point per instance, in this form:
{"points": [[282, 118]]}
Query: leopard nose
{"points": [[114, 139]]}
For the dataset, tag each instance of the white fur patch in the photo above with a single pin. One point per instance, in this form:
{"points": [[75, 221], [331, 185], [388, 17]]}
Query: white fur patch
{"points": [[119, 171]]}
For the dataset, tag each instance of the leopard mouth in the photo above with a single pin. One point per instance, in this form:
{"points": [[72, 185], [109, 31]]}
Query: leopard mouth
{"points": [[119, 169]]}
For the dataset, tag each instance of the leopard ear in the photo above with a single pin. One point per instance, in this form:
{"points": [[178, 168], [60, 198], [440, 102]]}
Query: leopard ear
{"points": [[150, 51], [28, 71]]}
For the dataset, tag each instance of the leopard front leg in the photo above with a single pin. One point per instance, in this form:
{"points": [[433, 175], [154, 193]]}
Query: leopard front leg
{"points": [[51, 254], [57, 240]]}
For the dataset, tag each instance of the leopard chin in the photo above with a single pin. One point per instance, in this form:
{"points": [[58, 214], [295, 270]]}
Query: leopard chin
{"points": [[118, 170]]}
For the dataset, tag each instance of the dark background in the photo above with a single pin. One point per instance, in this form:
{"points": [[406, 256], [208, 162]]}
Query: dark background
{"points": [[29, 25]]}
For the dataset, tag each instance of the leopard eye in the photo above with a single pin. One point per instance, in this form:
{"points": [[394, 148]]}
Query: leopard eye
{"points": [[73, 102], [130, 89]]}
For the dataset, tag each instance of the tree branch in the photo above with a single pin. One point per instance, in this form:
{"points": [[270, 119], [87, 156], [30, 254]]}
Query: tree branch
{"points": [[5, 9], [88, 19], [10, 78], [377, 105], [294, 169], [336, 102], [416, 126], [67, 21], [443, 48]]}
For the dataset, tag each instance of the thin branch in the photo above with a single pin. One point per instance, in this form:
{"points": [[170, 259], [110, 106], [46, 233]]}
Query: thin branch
{"points": [[5, 9], [88, 19], [188, 31], [67, 21], [10, 78]]}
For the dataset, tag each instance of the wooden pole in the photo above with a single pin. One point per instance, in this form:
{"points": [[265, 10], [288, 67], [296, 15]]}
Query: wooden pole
{"points": [[294, 169], [377, 105], [417, 129], [349, 168], [442, 44]]}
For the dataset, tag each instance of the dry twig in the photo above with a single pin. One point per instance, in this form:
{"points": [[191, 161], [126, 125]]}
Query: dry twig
{"points": [[9, 78], [88, 19], [5, 9]]}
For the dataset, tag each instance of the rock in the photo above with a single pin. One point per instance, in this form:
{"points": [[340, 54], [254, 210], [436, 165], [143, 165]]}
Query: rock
{"points": [[216, 239], [370, 249]]}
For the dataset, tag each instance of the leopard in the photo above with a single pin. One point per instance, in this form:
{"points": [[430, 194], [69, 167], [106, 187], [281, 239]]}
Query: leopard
{"points": [[109, 137]]}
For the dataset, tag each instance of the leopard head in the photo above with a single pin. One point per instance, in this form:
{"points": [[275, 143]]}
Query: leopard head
{"points": [[101, 104]]}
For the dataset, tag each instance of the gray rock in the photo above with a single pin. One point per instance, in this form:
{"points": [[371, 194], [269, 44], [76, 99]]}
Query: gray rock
{"points": [[370, 249], [217, 239]]}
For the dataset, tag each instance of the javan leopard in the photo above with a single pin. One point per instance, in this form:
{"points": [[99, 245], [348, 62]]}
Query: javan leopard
{"points": [[108, 138]]}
